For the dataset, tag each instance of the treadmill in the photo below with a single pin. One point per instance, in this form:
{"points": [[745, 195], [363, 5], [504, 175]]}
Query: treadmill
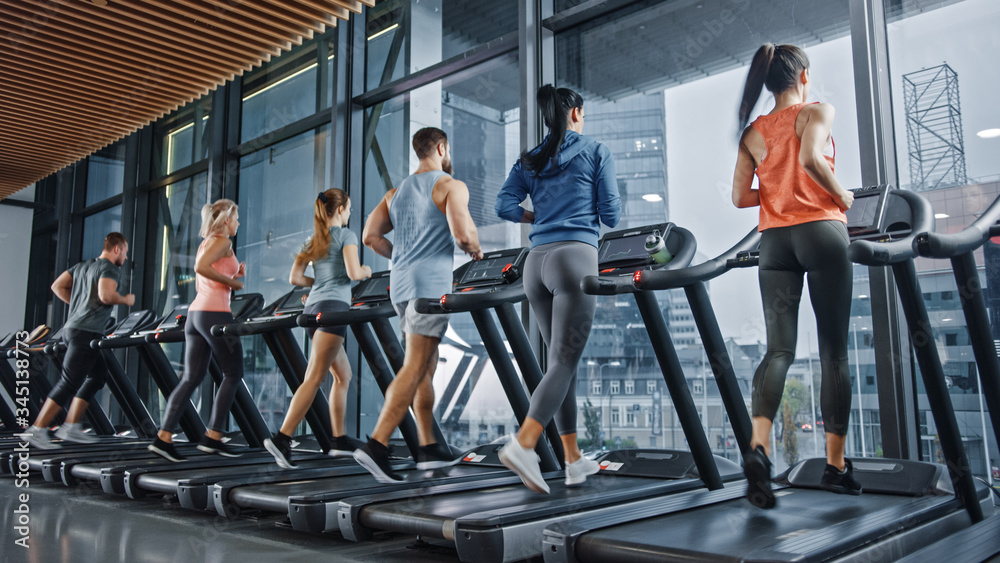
{"points": [[492, 522], [194, 486], [310, 496], [112, 473], [905, 505]]}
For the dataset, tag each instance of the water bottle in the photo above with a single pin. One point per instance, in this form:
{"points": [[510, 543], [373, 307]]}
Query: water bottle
{"points": [[657, 248]]}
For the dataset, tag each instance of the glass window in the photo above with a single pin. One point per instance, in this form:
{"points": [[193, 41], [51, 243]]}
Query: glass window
{"points": [[650, 386], [629, 387], [182, 139], [174, 241], [614, 387], [105, 173], [406, 36], [667, 111], [283, 91], [595, 387], [96, 227], [947, 131]]}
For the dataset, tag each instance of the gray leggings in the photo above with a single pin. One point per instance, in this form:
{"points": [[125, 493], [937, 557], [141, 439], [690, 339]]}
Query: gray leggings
{"points": [[819, 250], [552, 276], [200, 346]]}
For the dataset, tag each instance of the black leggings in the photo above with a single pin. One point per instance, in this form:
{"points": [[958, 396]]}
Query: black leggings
{"points": [[200, 346], [84, 370], [819, 250]]}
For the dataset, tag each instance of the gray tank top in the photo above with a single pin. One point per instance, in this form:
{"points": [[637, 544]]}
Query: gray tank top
{"points": [[331, 281], [423, 248]]}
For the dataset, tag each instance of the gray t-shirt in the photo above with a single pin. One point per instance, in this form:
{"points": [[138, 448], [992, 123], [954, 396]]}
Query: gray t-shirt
{"points": [[86, 311], [330, 273]]}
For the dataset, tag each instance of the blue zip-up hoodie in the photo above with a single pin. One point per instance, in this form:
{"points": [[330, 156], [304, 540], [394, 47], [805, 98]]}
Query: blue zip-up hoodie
{"points": [[571, 196]]}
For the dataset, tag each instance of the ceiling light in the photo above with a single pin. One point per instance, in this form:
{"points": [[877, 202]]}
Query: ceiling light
{"points": [[384, 31], [941, 215], [652, 198], [988, 133]]}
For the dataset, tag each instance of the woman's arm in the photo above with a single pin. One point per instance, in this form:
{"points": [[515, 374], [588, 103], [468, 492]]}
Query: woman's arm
{"points": [[297, 275], [609, 202], [215, 248], [513, 192], [815, 136], [355, 270], [743, 196]]}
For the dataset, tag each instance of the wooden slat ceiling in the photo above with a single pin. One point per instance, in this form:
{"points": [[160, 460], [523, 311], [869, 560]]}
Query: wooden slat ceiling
{"points": [[78, 75]]}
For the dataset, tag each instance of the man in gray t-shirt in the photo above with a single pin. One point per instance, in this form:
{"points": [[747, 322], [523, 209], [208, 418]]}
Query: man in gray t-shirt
{"points": [[90, 289]]}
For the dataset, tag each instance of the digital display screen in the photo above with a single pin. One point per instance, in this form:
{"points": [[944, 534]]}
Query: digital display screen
{"points": [[485, 271], [373, 288], [171, 320], [624, 250], [130, 323], [863, 214], [292, 301]]}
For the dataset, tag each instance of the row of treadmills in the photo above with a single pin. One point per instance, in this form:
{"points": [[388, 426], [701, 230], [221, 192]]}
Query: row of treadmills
{"points": [[644, 505]]}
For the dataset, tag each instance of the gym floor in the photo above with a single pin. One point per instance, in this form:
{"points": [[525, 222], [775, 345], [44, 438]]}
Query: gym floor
{"points": [[84, 525]]}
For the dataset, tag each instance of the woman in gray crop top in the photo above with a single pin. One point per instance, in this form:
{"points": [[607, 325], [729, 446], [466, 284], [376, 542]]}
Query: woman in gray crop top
{"points": [[333, 251]]}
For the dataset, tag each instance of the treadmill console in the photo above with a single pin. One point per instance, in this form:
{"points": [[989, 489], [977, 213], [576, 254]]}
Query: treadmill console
{"points": [[132, 323], [291, 302], [866, 217], [372, 290], [245, 305], [495, 269], [174, 320], [627, 248]]}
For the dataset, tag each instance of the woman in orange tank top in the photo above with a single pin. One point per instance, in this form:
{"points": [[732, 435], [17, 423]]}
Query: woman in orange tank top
{"points": [[217, 273], [803, 233]]}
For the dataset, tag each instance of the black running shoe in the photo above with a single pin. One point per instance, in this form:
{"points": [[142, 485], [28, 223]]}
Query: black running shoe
{"points": [[211, 446], [344, 446], [280, 446], [166, 450], [840, 482], [757, 469], [435, 456], [374, 457]]}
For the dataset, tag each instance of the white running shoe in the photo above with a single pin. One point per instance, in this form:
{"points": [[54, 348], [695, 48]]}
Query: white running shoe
{"points": [[576, 472], [72, 432], [524, 462], [39, 438]]}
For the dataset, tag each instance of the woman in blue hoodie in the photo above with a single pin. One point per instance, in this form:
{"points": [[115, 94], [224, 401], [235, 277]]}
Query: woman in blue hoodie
{"points": [[571, 181]]}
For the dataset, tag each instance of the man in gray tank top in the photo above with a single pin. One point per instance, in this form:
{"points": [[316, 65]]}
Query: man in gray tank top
{"points": [[429, 213], [91, 290]]}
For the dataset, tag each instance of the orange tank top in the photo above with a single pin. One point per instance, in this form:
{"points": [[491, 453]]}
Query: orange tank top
{"points": [[788, 196], [212, 295]]}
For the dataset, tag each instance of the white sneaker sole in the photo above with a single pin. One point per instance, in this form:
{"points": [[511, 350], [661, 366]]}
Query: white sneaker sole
{"points": [[279, 458], [369, 464], [425, 465], [164, 454], [85, 439], [209, 450], [580, 479], [46, 445], [542, 487], [340, 453]]}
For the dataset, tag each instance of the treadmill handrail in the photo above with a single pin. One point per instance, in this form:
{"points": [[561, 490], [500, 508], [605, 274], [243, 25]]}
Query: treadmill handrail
{"points": [[872, 253], [352, 316], [708, 270], [947, 245], [256, 325], [614, 285]]}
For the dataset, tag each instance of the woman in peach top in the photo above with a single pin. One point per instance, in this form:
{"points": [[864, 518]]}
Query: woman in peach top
{"points": [[217, 273], [803, 233]]}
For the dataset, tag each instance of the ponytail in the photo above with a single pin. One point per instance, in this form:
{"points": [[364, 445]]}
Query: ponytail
{"points": [[555, 105], [775, 66], [214, 215], [326, 205]]}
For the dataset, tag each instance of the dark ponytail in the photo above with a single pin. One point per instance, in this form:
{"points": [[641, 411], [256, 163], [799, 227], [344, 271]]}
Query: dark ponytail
{"points": [[555, 105], [775, 66]]}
